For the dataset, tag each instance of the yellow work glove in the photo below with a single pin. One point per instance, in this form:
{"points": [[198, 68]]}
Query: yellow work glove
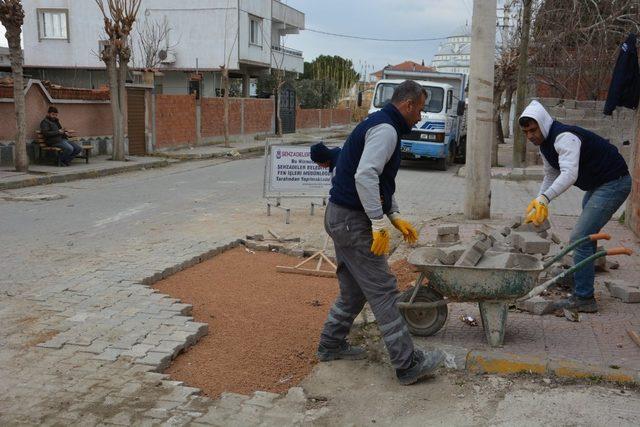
{"points": [[380, 245], [408, 231], [537, 211]]}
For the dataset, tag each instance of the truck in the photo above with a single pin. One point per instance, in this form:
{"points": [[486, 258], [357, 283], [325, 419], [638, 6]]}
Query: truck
{"points": [[441, 134]]}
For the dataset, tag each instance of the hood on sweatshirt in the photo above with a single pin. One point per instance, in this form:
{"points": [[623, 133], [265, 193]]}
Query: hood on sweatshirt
{"points": [[536, 111]]}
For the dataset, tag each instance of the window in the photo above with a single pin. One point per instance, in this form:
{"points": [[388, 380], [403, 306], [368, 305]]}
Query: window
{"points": [[52, 24], [384, 92], [450, 96], [255, 31]]}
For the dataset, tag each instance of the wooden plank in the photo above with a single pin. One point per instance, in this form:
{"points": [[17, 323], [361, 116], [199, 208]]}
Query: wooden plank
{"points": [[305, 271], [634, 336]]}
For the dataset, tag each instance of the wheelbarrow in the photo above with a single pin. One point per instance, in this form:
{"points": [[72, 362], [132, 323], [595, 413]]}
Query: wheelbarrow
{"points": [[424, 307]]}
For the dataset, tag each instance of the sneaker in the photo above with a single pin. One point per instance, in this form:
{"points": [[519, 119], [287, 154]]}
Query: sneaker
{"points": [[422, 365], [584, 305], [343, 351]]}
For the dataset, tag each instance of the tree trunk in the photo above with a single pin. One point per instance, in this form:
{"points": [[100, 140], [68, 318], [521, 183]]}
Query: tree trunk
{"points": [[119, 148], [506, 112], [278, 104], [498, 137], [112, 74], [21, 161], [225, 101], [481, 123], [519, 143]]}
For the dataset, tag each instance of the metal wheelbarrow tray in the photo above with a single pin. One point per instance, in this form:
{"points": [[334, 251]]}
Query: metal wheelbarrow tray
{"points": [[424, 307]]}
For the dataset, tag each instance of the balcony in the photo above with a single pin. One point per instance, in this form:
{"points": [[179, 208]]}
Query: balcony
{"points": [[286, 14], [284, 58]]}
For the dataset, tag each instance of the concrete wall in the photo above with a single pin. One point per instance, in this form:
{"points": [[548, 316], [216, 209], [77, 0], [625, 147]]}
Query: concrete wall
{"points": [[633, 204]]}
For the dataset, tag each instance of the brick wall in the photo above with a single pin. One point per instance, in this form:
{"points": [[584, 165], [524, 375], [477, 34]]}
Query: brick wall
{"points": [[313, 118], [175, 120], [87, 119], [259, 116], [213, 117]]}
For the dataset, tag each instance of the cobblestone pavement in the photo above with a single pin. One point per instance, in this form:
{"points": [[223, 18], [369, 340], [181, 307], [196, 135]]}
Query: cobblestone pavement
{"points": [[83, 336]]}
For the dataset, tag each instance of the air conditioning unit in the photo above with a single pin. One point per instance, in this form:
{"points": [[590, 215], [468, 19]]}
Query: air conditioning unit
{"points": [[167, 57]]}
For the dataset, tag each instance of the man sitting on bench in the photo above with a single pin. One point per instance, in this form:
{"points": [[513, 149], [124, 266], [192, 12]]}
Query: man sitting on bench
{"points": [[56, 136]]}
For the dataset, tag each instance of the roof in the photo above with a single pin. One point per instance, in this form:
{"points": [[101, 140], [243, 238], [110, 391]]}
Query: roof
{"points": [[405, 66], [462, 31], [421, 82]]}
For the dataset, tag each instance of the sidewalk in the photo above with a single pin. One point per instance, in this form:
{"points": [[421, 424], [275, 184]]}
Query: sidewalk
{"points": [[211, 151], [98, 166], [505, 170], [596, 347], [102, 165]]}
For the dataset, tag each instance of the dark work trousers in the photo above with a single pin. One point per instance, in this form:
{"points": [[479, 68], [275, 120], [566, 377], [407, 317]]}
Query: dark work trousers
{"points": [[363, 277]]}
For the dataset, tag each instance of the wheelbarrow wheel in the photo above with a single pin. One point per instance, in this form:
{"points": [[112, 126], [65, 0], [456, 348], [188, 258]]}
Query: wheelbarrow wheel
{"points": [[424, 321]]}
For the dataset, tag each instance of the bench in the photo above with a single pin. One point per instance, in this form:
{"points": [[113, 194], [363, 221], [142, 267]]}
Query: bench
{"points": [[42, 147]]}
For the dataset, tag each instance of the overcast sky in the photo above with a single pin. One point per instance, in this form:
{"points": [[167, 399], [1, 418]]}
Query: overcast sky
{"points": [[401, 19]]}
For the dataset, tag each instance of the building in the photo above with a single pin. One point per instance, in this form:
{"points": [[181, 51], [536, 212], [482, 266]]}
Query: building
{"points": [[454, 53], [403, 66], [5, 62], [62, 39]]}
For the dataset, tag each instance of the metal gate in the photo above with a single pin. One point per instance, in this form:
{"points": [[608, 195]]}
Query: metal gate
{"points": [[136, 121], [287, 100]]}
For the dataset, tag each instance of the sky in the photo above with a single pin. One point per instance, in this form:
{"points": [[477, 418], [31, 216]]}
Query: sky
{"points": [[399, 19]]}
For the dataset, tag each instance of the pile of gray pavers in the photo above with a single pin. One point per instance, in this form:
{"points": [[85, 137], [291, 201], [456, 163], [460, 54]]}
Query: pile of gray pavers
{"points": [[494, 247]]}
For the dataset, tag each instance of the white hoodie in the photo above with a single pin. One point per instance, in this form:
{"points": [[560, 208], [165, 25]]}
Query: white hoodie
{"points": [[567, 145]]}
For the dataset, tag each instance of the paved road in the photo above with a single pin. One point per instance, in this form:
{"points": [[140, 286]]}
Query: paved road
{"points": [[80, 332]]}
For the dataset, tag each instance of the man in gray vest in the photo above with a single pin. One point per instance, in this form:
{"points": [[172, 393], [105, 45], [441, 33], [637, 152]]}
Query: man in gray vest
{"points": [[576, 156], [362, 194]]}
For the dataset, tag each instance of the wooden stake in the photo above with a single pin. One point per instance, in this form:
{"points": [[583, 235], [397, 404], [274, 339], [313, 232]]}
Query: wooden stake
{"points": [[634, 336], [318, 271]]}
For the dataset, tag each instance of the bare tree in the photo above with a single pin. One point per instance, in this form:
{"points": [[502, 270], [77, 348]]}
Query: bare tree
{"points": [[574, 44], [153, 37], [12, 18], [119, 17]]}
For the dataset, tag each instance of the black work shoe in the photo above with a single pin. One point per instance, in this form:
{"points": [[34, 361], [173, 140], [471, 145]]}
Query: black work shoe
{"points": [[422, 365], [575, 303], [343, 351]]}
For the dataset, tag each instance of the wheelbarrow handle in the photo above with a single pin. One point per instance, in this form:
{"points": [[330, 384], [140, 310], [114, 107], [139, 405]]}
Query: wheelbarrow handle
{"points": [[573, 245], [540, 288]]}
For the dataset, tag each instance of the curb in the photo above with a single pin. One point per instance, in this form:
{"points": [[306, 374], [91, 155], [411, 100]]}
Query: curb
{"points": [[74, 176], [227, 153], [505, 363]]}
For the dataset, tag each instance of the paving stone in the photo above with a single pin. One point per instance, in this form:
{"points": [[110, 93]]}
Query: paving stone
{"points": [[448, 229], [530, 242], [474, 252], [138, 350], [263, 399], [447, 240], [450, 255], [536, 305], [159, 360], [624, 291], [172, 347], [531, 227], [110, 354]]}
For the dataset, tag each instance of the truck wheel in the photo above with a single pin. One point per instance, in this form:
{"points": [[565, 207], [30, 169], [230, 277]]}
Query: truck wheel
{"points": [[461, 151], [442, 164], [424, 322]]}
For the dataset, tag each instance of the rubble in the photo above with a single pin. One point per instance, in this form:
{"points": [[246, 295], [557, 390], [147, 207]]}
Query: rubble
{"points": [[624, 291], [536, 305]]}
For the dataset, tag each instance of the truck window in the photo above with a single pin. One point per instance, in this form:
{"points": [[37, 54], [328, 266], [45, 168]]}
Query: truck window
{"points": [[449, 99], [384, 92]]}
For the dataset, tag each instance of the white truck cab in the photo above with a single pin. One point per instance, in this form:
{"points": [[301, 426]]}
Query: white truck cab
{"points": [[439, 133]]}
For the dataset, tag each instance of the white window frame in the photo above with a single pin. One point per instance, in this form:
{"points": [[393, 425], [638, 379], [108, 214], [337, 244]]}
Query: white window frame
{"points": [[42, 24], [255, 28]]}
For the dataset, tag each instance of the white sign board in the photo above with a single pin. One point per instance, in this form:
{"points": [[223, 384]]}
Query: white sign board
{"points": [[289, 172]]}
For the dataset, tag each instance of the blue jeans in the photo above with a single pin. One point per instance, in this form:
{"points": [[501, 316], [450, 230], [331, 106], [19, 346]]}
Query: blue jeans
{"points": [[598, 206], [69, 150]]}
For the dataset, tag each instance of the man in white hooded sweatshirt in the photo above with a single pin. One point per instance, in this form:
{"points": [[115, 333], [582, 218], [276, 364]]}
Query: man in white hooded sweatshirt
{"points": [[576, 156]]}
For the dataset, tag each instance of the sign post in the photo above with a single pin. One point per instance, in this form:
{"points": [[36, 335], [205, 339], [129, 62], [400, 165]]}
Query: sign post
{"points": [[290, 173]]}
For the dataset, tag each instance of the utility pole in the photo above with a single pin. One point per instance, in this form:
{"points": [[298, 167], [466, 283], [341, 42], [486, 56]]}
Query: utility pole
{"points": [[480, 131], [519, 143]]}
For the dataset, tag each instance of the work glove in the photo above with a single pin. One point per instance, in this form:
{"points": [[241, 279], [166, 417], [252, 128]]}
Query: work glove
{"points": [[408, 231], [380, 245], [537, 211]]}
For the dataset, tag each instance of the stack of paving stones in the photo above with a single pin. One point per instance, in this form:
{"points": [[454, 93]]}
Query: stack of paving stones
{"points": [[102, 338]]}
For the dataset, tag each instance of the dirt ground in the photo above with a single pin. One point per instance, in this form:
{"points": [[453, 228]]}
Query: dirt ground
{"points": [[263, 325]]}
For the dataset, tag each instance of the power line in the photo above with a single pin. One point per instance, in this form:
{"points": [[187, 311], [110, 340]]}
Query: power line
{"points": [[375, 39]]}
